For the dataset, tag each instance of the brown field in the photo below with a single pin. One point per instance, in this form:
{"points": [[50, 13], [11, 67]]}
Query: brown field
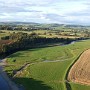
{"points": [[80, 71]]}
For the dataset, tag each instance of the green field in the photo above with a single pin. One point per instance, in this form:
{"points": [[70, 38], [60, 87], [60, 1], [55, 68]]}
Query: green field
{"points": [[48, 66], [79, 87], [3, 34]]}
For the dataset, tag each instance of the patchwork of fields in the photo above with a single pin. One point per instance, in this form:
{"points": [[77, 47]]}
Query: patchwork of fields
{"points": [[44, 33], [48, 67]]}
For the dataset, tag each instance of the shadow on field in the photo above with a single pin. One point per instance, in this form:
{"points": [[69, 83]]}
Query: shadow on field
{"points": [[68, 86], [32, 84], [13, 54], [19, 54]]}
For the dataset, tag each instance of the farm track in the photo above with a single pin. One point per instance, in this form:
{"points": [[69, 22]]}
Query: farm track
{"points": [[80, 71]]}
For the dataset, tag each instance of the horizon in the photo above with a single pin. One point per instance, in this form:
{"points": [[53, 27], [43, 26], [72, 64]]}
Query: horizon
{"points": [[39, 23], [72, 12]]}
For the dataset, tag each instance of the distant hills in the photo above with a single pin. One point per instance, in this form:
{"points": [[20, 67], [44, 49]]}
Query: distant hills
{"points": [[16, 23], [51, 25]]}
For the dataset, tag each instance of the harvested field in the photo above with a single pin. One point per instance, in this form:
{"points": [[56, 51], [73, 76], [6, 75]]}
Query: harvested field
{"points": [[80, 71]]}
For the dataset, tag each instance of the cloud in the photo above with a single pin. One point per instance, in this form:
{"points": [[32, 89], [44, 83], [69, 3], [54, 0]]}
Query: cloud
{"points": [[46, 11]]}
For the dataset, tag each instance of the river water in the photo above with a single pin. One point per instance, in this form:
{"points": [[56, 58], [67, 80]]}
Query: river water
{"points": [[3, 84]]}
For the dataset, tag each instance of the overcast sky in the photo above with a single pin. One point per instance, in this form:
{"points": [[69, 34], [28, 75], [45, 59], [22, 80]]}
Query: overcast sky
{"points": [[46, 11]]}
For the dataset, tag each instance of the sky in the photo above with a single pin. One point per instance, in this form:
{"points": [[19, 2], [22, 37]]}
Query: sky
{"points": [[46, 11]]}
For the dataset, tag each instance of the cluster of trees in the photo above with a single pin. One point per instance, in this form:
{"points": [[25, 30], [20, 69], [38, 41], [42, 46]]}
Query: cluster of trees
{"points": [[22, 27], [20, 41]]}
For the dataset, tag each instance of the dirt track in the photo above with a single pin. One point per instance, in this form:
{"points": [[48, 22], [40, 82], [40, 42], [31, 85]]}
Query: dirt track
{"points": [[80, 71]]}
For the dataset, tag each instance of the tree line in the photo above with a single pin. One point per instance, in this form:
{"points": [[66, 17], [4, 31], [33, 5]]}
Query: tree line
{"points": [[20, 41], [22, 27]]}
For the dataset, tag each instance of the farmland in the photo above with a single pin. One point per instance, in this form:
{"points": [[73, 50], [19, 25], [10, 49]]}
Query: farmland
{"points": [[80, 71], [44, 45], [45, 33], [47, 30], [44, 54], [47, 67]]}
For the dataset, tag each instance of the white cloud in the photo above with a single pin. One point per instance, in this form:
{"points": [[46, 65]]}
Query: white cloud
{"points": [[46, 11]]}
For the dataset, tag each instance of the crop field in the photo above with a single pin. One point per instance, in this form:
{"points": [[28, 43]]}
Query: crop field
{"points": [[46, 68], [80, 72]]}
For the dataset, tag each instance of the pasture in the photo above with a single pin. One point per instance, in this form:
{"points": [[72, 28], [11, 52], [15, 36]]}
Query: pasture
{"points": [[47, 67]]}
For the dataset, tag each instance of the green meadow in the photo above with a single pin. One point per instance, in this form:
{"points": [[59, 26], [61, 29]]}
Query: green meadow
{"points": [[48, 66], [3, 34]]}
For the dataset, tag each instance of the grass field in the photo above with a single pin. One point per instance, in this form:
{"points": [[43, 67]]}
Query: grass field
{"points": [[48, 66], [79, 87], [3, 34]]}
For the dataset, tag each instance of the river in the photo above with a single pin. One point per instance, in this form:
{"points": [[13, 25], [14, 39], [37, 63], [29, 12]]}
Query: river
{"points": [[3, 84]]}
